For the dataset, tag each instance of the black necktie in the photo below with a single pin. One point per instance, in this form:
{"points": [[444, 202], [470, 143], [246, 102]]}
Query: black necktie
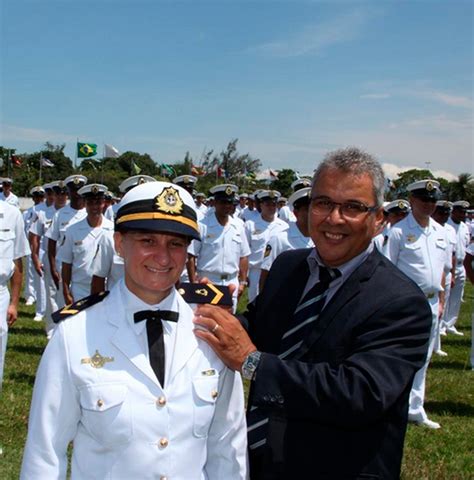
{"points": [[156, 345], [298, 328]]}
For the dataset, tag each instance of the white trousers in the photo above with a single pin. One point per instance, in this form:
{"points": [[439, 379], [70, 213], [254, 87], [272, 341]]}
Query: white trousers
{"points": [[4, 302], [441, 322], [50, 297], [254, 279], [416, 410], [29, 287], [455, 297]]}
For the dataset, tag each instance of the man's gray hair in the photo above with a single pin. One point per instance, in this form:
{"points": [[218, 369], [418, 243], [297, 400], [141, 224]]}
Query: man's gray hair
{"points": [[355, 161]]}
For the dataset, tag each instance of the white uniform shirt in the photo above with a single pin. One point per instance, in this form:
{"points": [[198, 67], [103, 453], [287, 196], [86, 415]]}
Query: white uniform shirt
{"points": [[421, 253], [259, 233], [62, 219], [41, 224], [111, 211], [123, 423], [463, 239], [13, 241], [12, 199], [106, 263], [290, 239], [79, 248], [286, 214], [220, 248], [202, 208], [248, 214]]}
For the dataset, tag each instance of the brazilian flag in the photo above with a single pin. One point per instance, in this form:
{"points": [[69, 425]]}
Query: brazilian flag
{"points": [[86, 150]]}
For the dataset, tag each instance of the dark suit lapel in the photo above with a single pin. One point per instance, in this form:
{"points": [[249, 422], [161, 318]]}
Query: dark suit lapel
{"points": [[346, 293]]}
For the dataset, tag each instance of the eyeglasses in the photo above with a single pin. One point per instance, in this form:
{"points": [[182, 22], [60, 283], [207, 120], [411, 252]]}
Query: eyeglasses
{"points": [[324, 206]]}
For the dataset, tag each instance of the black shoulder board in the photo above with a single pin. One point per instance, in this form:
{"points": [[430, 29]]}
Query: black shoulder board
{"points": [[205, 293], [76, 307]]}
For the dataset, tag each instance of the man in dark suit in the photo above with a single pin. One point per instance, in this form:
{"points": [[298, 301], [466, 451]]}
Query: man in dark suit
{"points": [[329, 390]]}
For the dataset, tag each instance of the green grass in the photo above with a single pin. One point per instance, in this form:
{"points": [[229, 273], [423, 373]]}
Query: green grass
{"points": [[447, 453]]}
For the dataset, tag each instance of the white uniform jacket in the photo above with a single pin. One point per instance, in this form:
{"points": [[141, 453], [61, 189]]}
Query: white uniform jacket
{"points": [[106, 263], [123, 423], [290, 239], [421, 253]]}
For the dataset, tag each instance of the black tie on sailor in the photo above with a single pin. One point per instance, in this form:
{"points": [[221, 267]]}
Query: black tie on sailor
{"points": [[156, 345]]}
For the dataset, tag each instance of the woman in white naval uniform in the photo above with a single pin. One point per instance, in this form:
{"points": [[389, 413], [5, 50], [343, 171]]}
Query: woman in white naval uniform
{"points": [[96, 385]]}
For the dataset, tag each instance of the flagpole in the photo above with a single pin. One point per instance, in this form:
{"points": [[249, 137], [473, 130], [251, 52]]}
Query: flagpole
{"points": [[41, 166], [102, 164], [75, 153]]}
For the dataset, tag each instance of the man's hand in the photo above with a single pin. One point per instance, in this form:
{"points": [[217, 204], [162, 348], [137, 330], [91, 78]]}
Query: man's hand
{"points": [[55, 276], [12, 314], [38, 267], [224, 333]]}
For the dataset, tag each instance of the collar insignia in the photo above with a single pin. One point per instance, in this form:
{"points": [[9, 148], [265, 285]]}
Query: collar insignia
{"points": [[169, 201]]}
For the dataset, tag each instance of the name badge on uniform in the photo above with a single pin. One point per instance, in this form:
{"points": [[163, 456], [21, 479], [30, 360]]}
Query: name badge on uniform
{"points": [[411, 238], [5, 230], [208, 373], [209, 235], [79, 242]]}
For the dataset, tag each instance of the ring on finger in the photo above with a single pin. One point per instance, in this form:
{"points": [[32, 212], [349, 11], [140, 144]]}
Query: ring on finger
{"points": [[216, 326]]}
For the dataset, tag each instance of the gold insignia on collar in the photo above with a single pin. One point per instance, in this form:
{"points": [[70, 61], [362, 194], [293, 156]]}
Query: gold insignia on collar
{"points": [[202, 291], [97, 360], [169, 201], [429, 186], [228, 191], [411, 238]]}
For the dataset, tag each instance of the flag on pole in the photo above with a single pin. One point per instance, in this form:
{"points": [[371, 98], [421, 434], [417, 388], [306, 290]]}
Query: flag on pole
{"points": [[167, 171], [45, 162], [221, 173], [86, 150], [136, 168], [16, 160], [198, 171], [111, 151]]}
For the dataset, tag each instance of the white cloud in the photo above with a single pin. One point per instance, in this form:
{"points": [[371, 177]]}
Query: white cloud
{"points": [[313, 39], [13, 133], [392, 171], [446, 98]]}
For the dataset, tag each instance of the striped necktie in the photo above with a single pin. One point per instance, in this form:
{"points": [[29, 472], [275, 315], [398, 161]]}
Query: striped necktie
{"points": [[156, 345], [306, 313]]}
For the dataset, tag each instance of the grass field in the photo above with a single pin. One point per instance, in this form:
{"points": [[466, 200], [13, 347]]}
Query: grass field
{"points": [[443, 454]]}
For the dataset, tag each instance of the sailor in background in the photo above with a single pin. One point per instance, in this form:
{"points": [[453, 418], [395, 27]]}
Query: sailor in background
{"points": [[417, 246], [297, 235], [13, 246], [457, 221], [126, 380], [81, 243], [222, 254]]}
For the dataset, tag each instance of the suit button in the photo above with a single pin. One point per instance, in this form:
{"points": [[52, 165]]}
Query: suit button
{"points": [[280, 400], [161, 401], [163, 442], [266, 398], [163, 477], [214, 393], [100, 403]]}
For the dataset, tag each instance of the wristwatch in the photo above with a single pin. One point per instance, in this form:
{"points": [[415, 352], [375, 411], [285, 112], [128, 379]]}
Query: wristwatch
{"points": [[250, 365]]}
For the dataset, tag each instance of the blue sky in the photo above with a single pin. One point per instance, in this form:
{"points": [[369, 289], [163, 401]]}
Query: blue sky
{"points": [[291, 79]]}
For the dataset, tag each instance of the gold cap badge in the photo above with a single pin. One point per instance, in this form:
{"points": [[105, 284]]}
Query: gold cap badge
{"points": [[169, 201], [429, 186]]}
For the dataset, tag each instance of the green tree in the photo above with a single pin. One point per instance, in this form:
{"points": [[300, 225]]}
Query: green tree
{"points": [[283, 183], [462, 188]]}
